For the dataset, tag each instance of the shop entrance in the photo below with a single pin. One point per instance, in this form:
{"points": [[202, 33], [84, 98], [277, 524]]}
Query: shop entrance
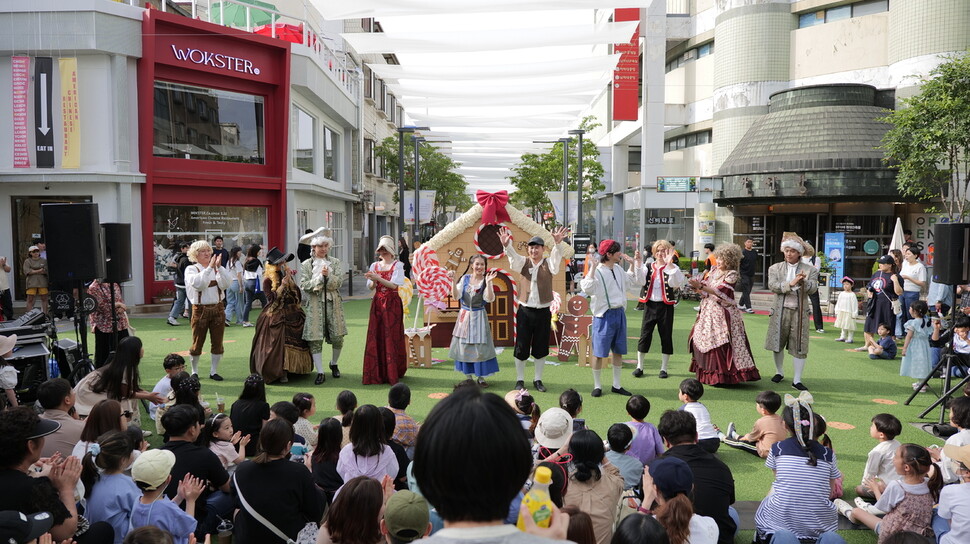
{"points": [[28, 228]]}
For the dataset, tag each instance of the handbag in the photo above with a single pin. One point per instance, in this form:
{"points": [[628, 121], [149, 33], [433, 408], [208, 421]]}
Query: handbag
{"points": [[307, 535]]}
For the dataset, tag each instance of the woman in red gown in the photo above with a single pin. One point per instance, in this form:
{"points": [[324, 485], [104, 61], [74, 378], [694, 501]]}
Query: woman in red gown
{"points": [[720, 354], [385, 360]]}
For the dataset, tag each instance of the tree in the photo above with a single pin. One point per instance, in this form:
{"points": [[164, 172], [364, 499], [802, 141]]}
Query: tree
{"points": [[929, 143], [437, 173], [538, 173]]}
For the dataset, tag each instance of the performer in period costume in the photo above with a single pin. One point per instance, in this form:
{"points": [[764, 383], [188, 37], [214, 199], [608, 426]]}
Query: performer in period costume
{"points": [[320, 278], [278, 344], [664, 278], [205, 282], [471, 342], [607, 284], [792, 281], [720, 353], [533, 318], [385, 360]]}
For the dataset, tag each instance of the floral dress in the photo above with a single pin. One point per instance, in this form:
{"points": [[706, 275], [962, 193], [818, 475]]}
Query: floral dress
{"points": [[720, 353]]}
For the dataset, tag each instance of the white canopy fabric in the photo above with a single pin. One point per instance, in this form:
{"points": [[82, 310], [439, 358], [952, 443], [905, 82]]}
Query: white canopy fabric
{"points": [[414, 102], [598, 64], [498, 122], [353, 9], [489, 40]]}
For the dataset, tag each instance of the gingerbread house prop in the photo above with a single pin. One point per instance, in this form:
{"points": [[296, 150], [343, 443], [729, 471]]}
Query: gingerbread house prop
{"points": [[476, 232]]}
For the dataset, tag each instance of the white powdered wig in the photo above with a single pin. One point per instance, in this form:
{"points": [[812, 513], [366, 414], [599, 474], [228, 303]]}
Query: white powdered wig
{"points": [[793, 245], [320, 240]]}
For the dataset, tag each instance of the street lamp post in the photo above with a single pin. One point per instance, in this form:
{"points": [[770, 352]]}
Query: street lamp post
{"points": [[417, 185], [579, 184], [400, 173]]}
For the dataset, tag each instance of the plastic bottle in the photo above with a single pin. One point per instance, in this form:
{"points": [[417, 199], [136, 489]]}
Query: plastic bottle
{"points": [[537, 500]]}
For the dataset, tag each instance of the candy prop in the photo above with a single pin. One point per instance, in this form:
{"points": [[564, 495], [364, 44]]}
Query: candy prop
{"points": [[406, 292], [556, 303], [433, 283], [423, 258]]}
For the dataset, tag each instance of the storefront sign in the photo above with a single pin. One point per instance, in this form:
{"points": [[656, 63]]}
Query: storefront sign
{"points": [[871, 247], [219, 61], [757, 223], [20, 77], [660, 221], [626, 77], [581, 242], [43, 131], [835, 254], [705, 225], [923, 225], [426, 202], [70, 114], [676, 185]]}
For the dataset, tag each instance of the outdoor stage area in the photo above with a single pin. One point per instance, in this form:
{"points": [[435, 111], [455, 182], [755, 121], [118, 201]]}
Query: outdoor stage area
{"points": [[848, 387]]}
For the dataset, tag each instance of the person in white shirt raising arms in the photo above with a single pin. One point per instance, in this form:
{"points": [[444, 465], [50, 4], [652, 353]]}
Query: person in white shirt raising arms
{"points": [[205, 282]]}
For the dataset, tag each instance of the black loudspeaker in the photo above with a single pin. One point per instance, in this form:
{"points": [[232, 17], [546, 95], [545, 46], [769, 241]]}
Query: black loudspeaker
{"points": [[74, 245], [951, 263], [117, 252]]}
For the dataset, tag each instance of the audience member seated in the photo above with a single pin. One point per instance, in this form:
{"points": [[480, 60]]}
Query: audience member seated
{"points": [[595, 485], [106, 416], [667, 487], [323, 462], [406, 518], [355, 516], [368, 453], [251, 411], [620, 436], [56, 397]]}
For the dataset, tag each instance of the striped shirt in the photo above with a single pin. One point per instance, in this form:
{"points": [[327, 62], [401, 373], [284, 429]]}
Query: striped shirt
{"points": [[799, 497]]}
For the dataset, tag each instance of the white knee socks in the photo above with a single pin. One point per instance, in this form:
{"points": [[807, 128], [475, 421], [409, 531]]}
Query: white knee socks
{"points": [[540, 364], [215, 363], [597, 372], [799, 365], [664, 361], [336, 355], [194, 359], [849, 337], [617, 370], [520, 370], [317, 362], [640, 356], [779, 362]]}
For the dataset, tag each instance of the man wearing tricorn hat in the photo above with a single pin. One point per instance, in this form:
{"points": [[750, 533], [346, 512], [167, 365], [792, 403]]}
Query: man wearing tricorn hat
{"points": [[792, 281], [533, 318]]}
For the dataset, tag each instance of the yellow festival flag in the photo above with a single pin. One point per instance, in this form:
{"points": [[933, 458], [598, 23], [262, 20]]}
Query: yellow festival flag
{"points": [[70, 114]]}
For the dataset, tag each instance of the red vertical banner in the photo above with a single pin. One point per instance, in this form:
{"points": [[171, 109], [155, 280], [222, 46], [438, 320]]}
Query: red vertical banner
{"points": [[626, 77], [21, 81]]}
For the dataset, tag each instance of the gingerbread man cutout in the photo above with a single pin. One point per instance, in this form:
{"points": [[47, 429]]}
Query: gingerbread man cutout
{"points": [[575, 324], [455, 258]]}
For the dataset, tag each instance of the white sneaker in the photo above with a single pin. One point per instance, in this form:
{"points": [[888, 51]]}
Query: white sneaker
{"points": [[173, 322], [845, 509], [820, 331], [731, 433], [861, 503], [749, 311]]}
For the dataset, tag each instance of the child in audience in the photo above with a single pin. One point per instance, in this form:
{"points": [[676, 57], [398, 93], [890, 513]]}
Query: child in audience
{"points": [[908, 501], [669, 482], [8, 374], [152, 473], [691, 391], [647, 444], [951, 524], [307, 406], [323, 463], [525, 408], [138, 444], [620, 437], [798, 505], [173, 364], [346, 405], [405, 427], [111, 495], [846, 309], [767, 430], [572, 402], [885, 347], [959, 418], [250, 411], [219, 436], [288, 412], [917, 359], [880, 464]]}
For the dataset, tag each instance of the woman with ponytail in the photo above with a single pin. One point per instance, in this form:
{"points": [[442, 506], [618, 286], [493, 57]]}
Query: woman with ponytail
{"points": [[525, 408], [798, 507], [668, 485], [111, 495], [595, 485]]}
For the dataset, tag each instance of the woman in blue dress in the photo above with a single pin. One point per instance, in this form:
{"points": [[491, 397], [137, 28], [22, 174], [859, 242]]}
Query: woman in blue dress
{"points": [[471, 342]]}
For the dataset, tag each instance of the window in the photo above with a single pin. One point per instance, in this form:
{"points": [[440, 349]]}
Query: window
{"points": [[238, 225], [335, 222], [331, 142], [368, 156], [633, 159], [689, 55], [840, 13], [806, 20], [183, 128], [688, 140], [368, 82], [705, 50], [304, 131], [870, 7]]}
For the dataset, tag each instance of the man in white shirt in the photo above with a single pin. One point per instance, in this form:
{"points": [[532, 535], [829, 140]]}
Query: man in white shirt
{"points": [[663, 278], [205, 283], [6, 302], [791, 281], [607, 284], [533, 318]]}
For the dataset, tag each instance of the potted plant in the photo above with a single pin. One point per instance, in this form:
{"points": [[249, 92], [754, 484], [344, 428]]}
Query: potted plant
{"points": [[825, 271]]}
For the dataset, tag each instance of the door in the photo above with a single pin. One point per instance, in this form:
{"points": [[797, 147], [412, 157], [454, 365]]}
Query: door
{"points": [[500, 313]]}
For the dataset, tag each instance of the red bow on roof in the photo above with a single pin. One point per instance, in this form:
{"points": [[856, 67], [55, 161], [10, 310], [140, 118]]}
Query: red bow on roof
{"points": [[493, 207]]}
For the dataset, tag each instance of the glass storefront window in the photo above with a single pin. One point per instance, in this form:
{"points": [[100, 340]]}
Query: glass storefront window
{"points": [[303, 140], [238, 225], [208, 124], [331, 142]]}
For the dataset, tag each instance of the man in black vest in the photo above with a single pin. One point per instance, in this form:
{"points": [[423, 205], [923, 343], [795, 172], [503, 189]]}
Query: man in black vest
{"points": [[533, 318], [664, 278]]}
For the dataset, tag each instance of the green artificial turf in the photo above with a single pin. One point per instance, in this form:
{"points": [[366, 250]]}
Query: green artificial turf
{"points": [[848, 387]]}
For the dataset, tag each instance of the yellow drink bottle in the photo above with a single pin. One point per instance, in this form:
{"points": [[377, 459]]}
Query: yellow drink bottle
{"points": [[537, 500]]}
